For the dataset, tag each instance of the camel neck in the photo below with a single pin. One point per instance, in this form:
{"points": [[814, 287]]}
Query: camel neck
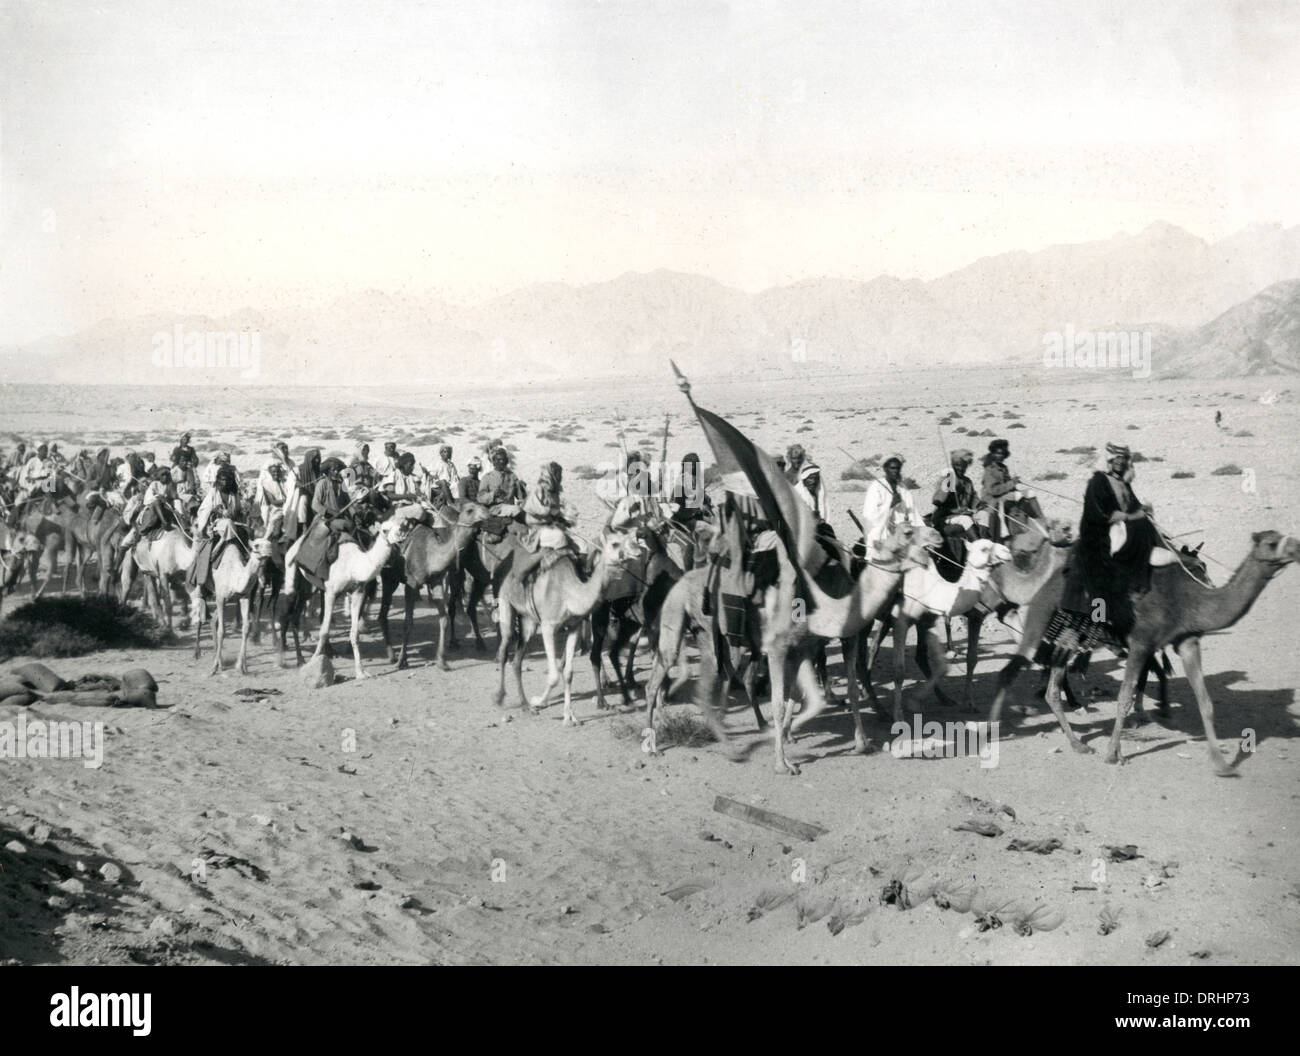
{"points": [[1224, 606]]}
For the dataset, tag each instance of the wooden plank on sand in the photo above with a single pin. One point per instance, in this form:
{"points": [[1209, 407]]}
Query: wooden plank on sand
{"points": [[771, 819]]}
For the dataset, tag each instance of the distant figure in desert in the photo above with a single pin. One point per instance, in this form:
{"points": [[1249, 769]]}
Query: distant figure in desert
{"points": [[1218, 419]]}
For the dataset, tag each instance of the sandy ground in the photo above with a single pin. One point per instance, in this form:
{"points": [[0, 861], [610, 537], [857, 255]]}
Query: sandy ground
{"points": [[245, 831]]}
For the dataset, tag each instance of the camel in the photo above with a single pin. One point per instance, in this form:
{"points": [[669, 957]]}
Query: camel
{"points": [[233, 576], [635, 613], [1014, 585], [164, 562], [349, 575], [793, 631], [1177, 610], [927, 596], [683, 610], [555, 599], [427, 557], [51, 535], [15, 553]]}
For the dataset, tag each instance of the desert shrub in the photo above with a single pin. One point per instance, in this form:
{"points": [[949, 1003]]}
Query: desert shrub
{"points": [[1089, 450], [586, 473], [683, 729], [1052, 475], [1243, 432], [1230, 470], [73, 626], [1182, 474], [1016, 425], [859, 470], [853, 485]]}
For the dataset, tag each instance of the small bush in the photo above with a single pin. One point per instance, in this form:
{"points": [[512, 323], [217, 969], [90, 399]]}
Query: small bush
{"points": [[853, 485], [1090, 450], [1230, 470], [859, 470], [586, 473], [682, 729], [1053, 475], [1016, 425], [1182, 474], [73, 626], [1243, 432]]}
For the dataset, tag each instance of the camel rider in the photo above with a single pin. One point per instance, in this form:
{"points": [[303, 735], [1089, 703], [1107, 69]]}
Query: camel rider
{"points": [[469, 485], [689, 503], [501, 490], [386, 464], [444, 470], [209, 478], [155, 506], [330, 500], [102, 491], [1010, 504], [795, 456], [298, 517], [81, 467], [405, 484], [221, 510], [1118, 543], [360, 474], [38, 478], [637, 499], [544, 512], [956, 502], [183, 455], [272, 490], [14, 465], [811, 489], [888, 504]]}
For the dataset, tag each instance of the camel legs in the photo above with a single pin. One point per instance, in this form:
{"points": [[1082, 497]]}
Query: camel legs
{"points": [[974, 623], [442, 626], [549, 635], [327, 612], [779, 668], [356, 600], [388, 585], [410, 594], [505, 627], [1137, 659], [1055, 681], [245, 605], [849, 647], [1190, 651], [218, 630], [570, 647], [900, 663]]}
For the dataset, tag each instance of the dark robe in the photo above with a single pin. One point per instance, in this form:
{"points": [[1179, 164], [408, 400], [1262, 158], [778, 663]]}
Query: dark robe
{"points": [[1094, 572]]}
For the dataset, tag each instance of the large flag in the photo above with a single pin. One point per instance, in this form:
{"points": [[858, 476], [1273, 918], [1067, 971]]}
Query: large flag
{"points": [[748, 470]]}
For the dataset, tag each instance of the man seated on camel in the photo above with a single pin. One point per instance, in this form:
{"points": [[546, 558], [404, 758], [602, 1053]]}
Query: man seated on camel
{"points": [[1010, 505], [386, 464], [1118, 544], [690, 504], [469, 484], [501, 491], [544, 513], [956, 508], [183, 454], [888, 504], [221, 511], [405, 485], [153, 508], [330, 500]]}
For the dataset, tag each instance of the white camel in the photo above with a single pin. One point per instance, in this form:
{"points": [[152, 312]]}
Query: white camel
{"points": [[349, 574]]}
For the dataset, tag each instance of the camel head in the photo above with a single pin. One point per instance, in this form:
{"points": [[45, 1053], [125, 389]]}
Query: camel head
{"points": [[396, 529], [263, 548], [619, 547], [471, 515], [985, 553], [1274, 548]]}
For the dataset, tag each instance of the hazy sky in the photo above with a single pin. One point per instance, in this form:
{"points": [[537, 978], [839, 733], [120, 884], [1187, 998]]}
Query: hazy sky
{"points": [[200, 156]]}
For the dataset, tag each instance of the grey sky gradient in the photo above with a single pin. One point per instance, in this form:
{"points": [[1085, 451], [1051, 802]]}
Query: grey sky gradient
{"points": [[197, 156]]}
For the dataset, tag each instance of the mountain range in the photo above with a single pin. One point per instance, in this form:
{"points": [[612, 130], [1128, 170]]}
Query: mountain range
{"points": [[1215, 309]]}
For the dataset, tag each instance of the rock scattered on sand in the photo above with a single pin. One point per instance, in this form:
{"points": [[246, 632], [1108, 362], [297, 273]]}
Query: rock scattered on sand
{"points": [[71, 886], [15, 847], [110, 872]]}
